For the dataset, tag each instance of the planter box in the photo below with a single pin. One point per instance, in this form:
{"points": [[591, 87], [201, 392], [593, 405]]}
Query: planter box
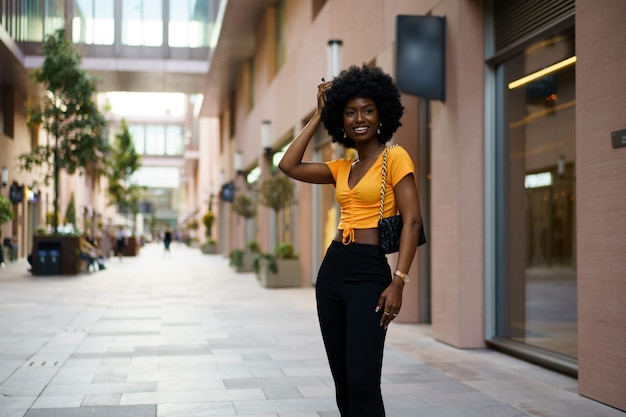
{"points": [[57, 255], [288, 274], [209, 248], [248, 262], [132, 247]]}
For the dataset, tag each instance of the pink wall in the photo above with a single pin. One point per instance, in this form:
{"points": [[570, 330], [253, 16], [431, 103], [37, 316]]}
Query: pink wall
{"points": [[601, 200], [457, 183]]}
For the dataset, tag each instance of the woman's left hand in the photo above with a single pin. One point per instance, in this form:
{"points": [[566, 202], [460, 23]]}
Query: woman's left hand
{"points": [[390, 302]]}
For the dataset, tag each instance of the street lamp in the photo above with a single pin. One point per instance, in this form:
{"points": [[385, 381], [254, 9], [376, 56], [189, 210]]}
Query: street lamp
{"points": [[334, 58], [237, 163], [266, 139], [5, 177]]}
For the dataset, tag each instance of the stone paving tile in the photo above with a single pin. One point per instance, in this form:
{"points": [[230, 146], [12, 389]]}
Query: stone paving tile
{"points": [[499, 410], [433, 412], [575, 408], [284, 406], [192, 396], [101, 399], [100, 411], [59, 401], [108, 388], [203, 409], [187, 337]]}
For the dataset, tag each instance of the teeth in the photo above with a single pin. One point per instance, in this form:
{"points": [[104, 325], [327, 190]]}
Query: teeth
{"points": [[360, 129]]}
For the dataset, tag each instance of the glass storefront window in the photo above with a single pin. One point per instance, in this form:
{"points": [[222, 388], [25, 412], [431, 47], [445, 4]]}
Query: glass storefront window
{"points": [[142, 23], [537, 191], [94, 22]]}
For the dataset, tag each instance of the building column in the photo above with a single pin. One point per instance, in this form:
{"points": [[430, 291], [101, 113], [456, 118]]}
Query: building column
{"points": [[458, 182], [600, 200]]}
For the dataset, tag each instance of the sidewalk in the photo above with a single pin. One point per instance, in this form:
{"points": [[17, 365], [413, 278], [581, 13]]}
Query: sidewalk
{"points": [[185, 336]]}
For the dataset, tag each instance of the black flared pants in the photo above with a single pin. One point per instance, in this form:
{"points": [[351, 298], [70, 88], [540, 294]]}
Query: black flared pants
{"points": [[349, 284]]}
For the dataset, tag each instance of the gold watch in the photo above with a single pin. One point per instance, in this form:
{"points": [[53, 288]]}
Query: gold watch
{"points": [[403, 276]]}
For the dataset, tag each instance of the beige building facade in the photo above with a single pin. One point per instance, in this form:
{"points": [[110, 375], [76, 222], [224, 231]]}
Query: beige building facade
{"points": [[518, 178], [521, 167]]}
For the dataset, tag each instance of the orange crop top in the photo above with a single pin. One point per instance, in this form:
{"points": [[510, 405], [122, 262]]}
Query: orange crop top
{"points": [[360, 205]]}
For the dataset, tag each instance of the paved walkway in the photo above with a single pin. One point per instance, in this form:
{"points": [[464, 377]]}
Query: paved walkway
{"points": [[185, 336]]}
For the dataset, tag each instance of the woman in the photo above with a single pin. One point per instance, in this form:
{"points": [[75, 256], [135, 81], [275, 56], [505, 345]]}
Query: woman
{"points": [[357, 294]]}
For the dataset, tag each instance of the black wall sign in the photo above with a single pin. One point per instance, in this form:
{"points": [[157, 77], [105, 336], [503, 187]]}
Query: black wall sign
{"points": [[16, 193], [421, 56]]}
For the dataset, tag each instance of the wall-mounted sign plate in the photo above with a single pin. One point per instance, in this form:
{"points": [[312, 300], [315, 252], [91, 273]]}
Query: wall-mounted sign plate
{"points": [[618, 138]]}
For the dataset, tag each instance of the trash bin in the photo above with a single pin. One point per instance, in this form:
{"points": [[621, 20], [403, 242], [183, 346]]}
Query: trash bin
{"points": [[49, 258], [54, 262], [42, 262]]}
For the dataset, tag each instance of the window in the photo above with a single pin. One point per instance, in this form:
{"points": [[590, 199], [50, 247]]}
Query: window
{"points": [[7, 111], [94, 22], [281, 36], [142, 23], [33, 21], [536, 192], [138, 137], [155, 140], [317, 6], [190, 23], [54, 16], [174, 140]]}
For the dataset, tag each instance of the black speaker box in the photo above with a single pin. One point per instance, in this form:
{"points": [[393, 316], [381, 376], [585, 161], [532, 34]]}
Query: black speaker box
{"points": [[421, 56]]}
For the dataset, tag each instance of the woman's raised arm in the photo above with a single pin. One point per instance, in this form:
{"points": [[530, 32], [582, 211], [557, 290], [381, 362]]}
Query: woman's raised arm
{"points": [[291, 163]]}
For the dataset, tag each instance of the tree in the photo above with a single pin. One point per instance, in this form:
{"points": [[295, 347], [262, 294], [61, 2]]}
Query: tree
{"points": [[276, 192], [6, 212], [124, 161], [208, 219], [68, 113], [70, 212], [244, 206]]}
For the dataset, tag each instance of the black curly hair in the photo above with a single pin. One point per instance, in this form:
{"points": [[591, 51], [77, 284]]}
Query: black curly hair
{"points": [[362, 82]]}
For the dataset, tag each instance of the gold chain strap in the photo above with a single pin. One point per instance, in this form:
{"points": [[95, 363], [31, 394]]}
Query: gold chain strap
{"points": [[383, 187]]}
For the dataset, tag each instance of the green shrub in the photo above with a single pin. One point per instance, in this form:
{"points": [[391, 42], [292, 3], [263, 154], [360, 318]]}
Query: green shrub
{"points": [[236, 258]]}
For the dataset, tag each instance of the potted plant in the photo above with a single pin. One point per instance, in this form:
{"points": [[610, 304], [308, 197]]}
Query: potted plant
{"points": [[69, 114], [210, 246], [193, 227], [243, 259], [6, 215], [236, 258], [280, 269], [77, 142], [122, 163]]}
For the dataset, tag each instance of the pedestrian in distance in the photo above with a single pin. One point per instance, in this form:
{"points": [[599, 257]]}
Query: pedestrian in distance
{"points": [[120, 240], [167, 241], [357, 294]]}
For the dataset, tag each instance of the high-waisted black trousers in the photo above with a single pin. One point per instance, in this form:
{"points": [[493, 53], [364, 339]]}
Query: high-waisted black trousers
{"points": [[349, 284]]}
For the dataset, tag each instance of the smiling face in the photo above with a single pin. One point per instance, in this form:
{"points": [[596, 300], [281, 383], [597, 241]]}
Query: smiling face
{"points": [[360, 119]]}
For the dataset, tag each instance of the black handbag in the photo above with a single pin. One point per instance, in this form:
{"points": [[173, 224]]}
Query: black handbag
{"points": [[390, 228]]}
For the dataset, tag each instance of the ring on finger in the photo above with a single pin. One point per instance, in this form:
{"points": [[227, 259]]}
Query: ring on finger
{"points": [[386, 314]]}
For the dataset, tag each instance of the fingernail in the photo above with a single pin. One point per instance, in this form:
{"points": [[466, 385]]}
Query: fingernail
{"points": [[376, 309]]}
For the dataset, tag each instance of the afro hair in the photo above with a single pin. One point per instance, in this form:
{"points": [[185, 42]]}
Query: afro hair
{"points": [[362, 82]]}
